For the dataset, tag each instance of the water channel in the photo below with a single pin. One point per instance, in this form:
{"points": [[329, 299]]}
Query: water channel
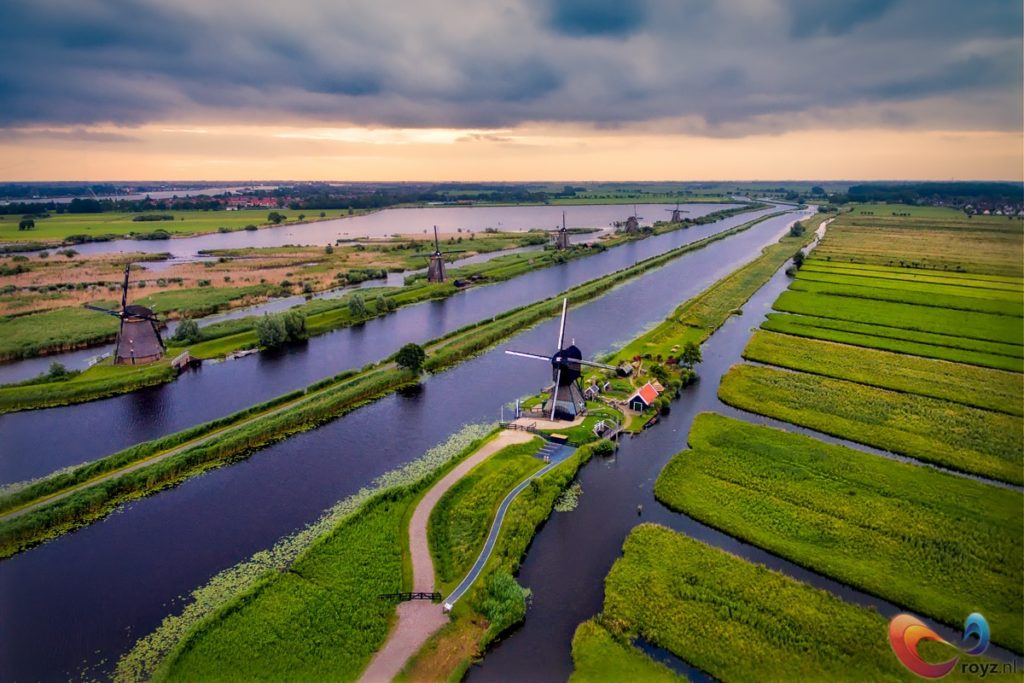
{"points": [[76, 603], [38, 442]]}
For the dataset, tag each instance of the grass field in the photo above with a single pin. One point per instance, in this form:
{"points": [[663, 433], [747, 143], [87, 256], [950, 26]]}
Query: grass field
{"points": [[460, 521], [598, 656], [892, 278], [981, 302], [970, 324], [926, 344], [25, 336], [700, 316], [58, 227], [983, 280], [939, 544], [740, 621], [321, 620], [974, 386], [942, 240], [949, 434]]}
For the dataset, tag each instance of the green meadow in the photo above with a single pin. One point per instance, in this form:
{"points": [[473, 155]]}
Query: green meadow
{"points": [[996, 390], [936, 543], [950, 434]]}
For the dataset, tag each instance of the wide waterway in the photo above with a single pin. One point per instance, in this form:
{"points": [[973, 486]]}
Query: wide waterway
{"points": [[399, 222], [38, 442], [79, 601]]}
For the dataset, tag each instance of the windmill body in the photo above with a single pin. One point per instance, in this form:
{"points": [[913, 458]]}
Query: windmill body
{"points": [[633, 222], [435, 271], [566, 401], [562, 236], [677, 214], [138, 337]]}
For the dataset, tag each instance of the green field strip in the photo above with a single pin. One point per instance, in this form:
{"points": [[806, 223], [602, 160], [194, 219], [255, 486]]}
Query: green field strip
{"points": [[933, 542], [969, 324], [967, 384], [952, 435]]}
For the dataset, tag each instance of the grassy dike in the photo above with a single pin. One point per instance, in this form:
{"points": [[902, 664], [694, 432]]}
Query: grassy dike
{"points": [[91, 490], [939, 544], [699, 318], [323, 315], [310, 610], [706, 605]]}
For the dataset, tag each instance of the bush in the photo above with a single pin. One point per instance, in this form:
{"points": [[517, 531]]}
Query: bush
{"points": [[270, 331], [27, 224], [504, 603]]}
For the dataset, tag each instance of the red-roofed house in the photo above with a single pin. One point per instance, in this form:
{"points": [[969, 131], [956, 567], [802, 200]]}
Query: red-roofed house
{"points": [[643, 399]]}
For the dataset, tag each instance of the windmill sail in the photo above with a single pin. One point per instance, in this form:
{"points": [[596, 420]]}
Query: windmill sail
{"points": [[435, 271], [138, 337]]}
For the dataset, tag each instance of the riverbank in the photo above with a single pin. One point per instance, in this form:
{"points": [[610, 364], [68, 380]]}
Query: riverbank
{"points": [[88, 492], [323, 315]]}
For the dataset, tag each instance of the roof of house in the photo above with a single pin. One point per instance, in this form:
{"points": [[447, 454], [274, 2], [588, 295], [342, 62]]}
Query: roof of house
{"points": [[647, 393]]}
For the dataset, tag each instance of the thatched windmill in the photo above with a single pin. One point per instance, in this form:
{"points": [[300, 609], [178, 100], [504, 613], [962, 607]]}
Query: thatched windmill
{"points": [[566, 401], [677, 214], [562, 236], [435, 271], [633, 222], [138, 338]]}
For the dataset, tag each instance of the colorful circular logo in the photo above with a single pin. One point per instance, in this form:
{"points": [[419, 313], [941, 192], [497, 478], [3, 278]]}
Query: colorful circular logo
{"points": [[906, 631]]}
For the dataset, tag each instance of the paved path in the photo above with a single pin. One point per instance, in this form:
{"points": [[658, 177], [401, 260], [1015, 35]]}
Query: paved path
{"points": [[417, 619], [557, 454]]}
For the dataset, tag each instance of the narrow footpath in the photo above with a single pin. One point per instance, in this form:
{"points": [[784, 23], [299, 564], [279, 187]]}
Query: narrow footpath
{"points": [[418, 619]]}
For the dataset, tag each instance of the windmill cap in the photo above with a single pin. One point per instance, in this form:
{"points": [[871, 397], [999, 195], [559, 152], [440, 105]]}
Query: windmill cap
{"points": [[135, 309], [571, 352]]}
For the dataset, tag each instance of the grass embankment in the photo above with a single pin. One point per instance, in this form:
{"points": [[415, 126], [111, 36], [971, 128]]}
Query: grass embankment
{"points": [[944, 347], [114, 224], [698, 318], [936, 543], [64, 329], [706, 605], [496, 603], [950, 434], [970, 385], [461, 520], [983, 326], [316, 615], [597, 656], [322, 618], [244, 432]]}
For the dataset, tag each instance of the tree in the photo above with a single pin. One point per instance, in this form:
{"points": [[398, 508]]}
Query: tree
{"points": [[187, 332], [328, 249], [356, 306], [797, 229], [26, 224], [275, 217], [798, 259], [817, 189], [294, 325], [270, 331], [691, 354], [411, 357], [381, 304]]}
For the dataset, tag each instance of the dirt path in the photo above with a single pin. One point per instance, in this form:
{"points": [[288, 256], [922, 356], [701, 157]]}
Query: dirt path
{"points": [[418, 620]]}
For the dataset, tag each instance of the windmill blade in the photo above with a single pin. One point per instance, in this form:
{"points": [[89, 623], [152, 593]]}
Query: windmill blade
{"points": [[561, 330], [437, 242], [554, 393], [124, 290], [529, 355], [595, 365], [101, 310]]}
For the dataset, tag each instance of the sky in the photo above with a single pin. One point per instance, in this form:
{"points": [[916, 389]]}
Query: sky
{"points": [[511, 89]]}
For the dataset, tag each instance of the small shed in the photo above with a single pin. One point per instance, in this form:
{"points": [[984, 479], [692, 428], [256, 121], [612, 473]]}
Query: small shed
{"points": [[592, 392], [643, 399]]}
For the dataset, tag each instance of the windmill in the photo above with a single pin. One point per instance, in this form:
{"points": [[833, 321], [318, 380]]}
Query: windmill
{"points": [[677, 214], [435, 271], [138, 339], [633, 222], [562, 237], [566, 400]]}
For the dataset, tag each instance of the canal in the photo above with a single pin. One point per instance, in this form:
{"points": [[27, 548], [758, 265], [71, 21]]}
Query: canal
{"points": [[74, 605], [32, 447]]}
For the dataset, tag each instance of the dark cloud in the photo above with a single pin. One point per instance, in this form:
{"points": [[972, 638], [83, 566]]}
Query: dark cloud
{"points": [[719, 68], [596, 17]]}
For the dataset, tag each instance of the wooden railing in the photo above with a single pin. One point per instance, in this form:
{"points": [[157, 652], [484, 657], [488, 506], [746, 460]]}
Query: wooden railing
{"points": [[402, 597]]}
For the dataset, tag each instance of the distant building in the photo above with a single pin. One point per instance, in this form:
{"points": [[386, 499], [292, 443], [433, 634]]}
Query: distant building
{"points": [[632, 224]]}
